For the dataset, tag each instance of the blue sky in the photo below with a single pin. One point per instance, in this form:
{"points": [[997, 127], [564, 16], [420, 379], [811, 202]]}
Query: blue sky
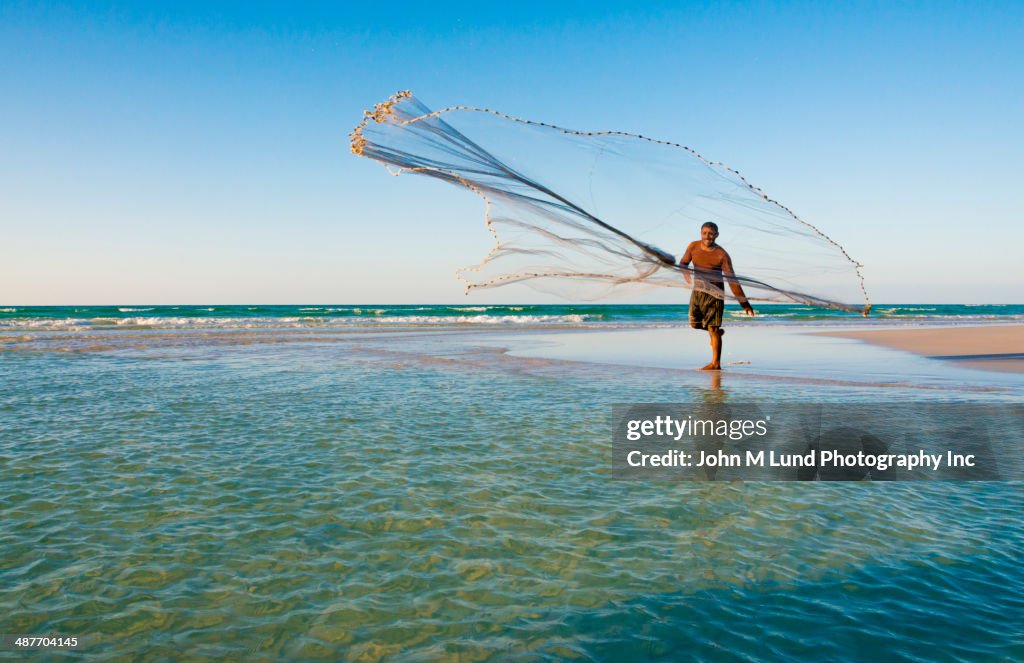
{"points": [[180, 153]]}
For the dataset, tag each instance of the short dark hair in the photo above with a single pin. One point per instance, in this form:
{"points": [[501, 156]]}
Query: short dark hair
{"points": [[710, 224]]}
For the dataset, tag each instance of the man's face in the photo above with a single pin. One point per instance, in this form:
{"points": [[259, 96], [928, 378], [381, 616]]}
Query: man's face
{"points": [[708, 236]]}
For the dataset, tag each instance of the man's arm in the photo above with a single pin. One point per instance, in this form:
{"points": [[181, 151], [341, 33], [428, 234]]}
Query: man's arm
{"points": [[734, 285], [684, 263]]}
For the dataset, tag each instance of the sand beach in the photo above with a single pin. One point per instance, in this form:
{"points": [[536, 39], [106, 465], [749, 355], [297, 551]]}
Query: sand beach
{"points": [[991, 348]]}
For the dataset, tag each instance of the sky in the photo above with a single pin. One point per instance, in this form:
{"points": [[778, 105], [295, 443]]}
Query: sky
{"points": [[194, 152]]}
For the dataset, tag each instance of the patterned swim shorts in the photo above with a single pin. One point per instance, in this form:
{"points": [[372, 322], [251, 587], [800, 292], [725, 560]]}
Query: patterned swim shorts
{"points": [[705, 310]]}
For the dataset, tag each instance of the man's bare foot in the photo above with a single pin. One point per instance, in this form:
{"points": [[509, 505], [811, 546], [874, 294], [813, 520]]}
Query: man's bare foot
{"points": [[712, 367]]}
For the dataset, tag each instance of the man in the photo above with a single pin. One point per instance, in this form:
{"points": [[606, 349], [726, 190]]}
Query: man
{"points": [[711, 265]]}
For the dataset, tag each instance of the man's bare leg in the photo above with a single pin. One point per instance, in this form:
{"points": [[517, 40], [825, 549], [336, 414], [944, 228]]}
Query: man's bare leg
{"points": [[716, 334]]}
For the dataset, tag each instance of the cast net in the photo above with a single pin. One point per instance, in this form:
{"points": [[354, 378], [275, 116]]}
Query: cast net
{"points": [[589, 214]]}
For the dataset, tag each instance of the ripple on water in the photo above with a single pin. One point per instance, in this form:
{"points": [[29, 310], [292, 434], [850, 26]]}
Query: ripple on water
{"points": [[305, 502]]}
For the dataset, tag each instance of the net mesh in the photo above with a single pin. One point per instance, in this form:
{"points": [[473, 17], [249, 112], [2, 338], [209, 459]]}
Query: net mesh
{"points": [[589, 214]]}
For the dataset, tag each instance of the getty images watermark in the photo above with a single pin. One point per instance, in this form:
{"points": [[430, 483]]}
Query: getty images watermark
{"points": [[829, 442]]}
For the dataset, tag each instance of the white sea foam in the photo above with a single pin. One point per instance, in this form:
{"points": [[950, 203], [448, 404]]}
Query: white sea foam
{"points": [[44, 324], [483, 319], [125, 309], [377, 320], [760, 314]]}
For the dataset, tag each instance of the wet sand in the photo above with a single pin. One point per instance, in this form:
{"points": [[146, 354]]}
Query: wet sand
{"points": [[778, 354], [992, 348]]}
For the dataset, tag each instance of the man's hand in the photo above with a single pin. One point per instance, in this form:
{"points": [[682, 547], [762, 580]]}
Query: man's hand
{"points": [[748, 309]]}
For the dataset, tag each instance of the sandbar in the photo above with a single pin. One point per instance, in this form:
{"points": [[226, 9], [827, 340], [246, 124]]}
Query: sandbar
{"points": [[991, 348]]}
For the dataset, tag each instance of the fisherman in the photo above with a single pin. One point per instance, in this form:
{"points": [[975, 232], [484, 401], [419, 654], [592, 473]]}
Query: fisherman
{"points": [[711, 267]]}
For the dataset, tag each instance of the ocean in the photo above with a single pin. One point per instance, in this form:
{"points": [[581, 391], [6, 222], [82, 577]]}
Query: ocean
{"points": [[372, 315], [425, 483]]}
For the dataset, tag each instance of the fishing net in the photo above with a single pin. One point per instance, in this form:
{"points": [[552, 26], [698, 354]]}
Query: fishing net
{"points": [[587, 214]]}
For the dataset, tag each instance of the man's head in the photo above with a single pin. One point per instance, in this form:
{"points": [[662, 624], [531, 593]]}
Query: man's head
{"points": [[708, 234]]}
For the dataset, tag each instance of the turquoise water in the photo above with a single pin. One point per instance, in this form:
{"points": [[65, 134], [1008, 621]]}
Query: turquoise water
{"points": [[370, 316], [183, 492]]}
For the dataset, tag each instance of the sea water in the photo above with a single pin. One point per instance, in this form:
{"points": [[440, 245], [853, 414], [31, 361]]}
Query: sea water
{"points": [[376, 316], [281, 487]]}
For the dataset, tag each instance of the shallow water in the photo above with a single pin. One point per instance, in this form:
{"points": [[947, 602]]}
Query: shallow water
{"points": [[771, 353], [423, 495]]}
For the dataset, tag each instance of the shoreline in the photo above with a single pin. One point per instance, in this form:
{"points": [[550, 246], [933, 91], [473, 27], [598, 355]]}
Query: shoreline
{"points": [[989, 347]]}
